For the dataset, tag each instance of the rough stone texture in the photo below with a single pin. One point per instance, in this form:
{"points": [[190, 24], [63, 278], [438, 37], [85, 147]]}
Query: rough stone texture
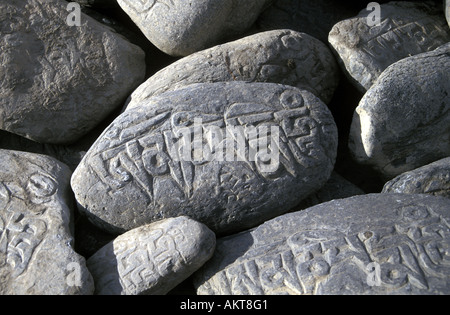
{"points": [[36, 254], [180, 27], [402, 122], [152, 259], [59, 81], [447, 11], [335, 248], [406, 29], [281, 56], [432, 179], [136, 174]]}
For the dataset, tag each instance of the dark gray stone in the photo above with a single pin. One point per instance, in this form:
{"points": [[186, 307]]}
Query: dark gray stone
{"points": [[406, 29], [374, 244], [180, 27], [403, 121], [432, 179], [152, 259], [280, 56], [60, 81], [36, 244], [137, 172]]}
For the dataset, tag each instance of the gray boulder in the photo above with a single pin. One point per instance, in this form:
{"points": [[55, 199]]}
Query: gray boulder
{"points": [[403, 121], [406, 29], [180, 27], [366, 245], [152, 259], [60, 81], [432, 179], [280, 56], [229, 155], [36, 243]]}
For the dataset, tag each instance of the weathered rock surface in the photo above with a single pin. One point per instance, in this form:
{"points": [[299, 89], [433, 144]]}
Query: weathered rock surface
{"points": [[432, 179], [143, 169], [402, 122], [180, 27], [447, 11], [372, 244], [280, 56], [36, 254], [59, 81], [152, 259], [406, 29]]}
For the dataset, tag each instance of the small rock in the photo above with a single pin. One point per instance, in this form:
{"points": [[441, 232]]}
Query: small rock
{"points": [[280, 56], [36, 253], [152, 259], [402, 122], [432, 179], [180, 27], [374, 244], [406, 29], [147, 166]]}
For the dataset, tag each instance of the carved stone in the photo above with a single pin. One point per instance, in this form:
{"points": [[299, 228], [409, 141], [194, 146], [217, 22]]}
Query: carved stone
{"points": [[36, 246], [152, 259], [432, 179], [140, 169], [59, 81], [406, 29], [402, 122], [280, 56], [373, 244], [180, 27]]}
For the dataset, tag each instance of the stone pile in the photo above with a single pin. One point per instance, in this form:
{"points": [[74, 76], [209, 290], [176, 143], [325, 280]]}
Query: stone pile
{"points": [[224, 147]]}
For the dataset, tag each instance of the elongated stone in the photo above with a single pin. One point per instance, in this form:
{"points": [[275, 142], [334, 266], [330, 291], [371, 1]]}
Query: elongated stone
{"points": [[373, 244], [230, 155], [366, 48], [281, 56], [58, 79], [402, 122], [152, 259], [36, 243]]}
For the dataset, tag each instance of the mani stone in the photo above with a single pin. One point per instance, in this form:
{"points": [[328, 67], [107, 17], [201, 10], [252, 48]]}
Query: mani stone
{"points": [[36, 245], [229, 155], [152, 259], [432, 179], [280, 56], [378, 244], [180, 27], [59, 81], [405, 29], [403, 121]]}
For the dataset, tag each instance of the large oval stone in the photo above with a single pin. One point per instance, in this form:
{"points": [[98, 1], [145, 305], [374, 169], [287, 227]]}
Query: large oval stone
{"points": [[373, 244], [265, 148]]}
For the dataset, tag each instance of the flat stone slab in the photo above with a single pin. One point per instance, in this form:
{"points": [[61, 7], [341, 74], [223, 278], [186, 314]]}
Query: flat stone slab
{"points": [[373, 244], [152, 259], [199, 151], [281, 56], [402, 122], [60, 81], [36, 245], [180, 28], [432, 179], [405, 29]]}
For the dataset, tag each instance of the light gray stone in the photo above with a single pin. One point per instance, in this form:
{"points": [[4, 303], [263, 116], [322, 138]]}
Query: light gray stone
{"points": [[406, 29], [141, 169], [432, 179], [280, 56], [366, 245], [403, 121], [59, 81], [36, 246], [447, 11], [180, 27], [152, 259]]}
